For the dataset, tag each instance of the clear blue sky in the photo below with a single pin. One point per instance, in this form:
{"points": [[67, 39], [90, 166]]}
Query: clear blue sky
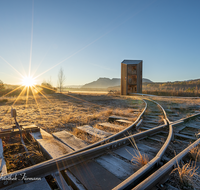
{"points": [[90, 38]]}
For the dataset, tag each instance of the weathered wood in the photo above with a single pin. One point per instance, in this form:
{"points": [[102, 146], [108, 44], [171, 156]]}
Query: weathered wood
{"points": [[169, 110], [6, 128], [70, 140], [151, 122], [128, 153], [156, 139], [168, 186], [185, 136], [3, 168], [116, 117], [110, 125], [179, 128], [147, 149], [62, 184], [193, 126], [53, 148], [94, 176], [145, 128], [34, 128], [124, 121], [94, 132], [11, 130], [186, 132], [73, 181], [116, 166], [149, 126]]}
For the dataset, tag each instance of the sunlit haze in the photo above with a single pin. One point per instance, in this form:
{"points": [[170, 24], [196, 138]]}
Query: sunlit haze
{"points": [[28, 81], [89, 39]]}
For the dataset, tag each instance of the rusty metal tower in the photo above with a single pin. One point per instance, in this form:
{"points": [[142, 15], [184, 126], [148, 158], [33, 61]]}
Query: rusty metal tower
{"points": [[131, 77]]}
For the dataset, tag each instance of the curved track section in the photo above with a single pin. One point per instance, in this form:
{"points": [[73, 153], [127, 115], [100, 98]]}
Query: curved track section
{"points": [[134, 179], [160, 178], [154, 115]]}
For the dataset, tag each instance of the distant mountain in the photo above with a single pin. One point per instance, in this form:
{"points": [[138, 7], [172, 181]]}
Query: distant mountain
{"points": [[146, 81], [106, 82], [73, 86], [103, 83]]}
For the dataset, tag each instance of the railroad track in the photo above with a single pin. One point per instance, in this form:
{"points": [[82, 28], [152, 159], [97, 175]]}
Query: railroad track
{"points": [[109, 163], [186, 139]]}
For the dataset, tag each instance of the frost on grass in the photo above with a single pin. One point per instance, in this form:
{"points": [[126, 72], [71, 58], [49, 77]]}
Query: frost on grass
{"points": [[185, 176], [195, 153], [138, 159], [62, 112]]}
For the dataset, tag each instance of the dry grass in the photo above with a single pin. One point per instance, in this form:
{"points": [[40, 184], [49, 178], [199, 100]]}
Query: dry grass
{"points": [[15, 155], [85, 136], [63, 112], [108, 129], [187, 175], [183, 107], [138, 159], [195, 153]]}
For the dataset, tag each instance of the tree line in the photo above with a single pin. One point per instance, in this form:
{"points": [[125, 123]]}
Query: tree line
{"points": [[178, 88]]}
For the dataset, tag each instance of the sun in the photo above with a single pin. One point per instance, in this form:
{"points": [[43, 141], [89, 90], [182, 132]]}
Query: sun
{"points": [[28, 81]]}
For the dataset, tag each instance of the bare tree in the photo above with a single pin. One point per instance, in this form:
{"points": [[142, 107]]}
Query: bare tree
{"points": [[1, 85], [61, 79]]}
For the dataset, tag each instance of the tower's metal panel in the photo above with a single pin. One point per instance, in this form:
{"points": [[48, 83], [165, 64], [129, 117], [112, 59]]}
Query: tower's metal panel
{"points": [[131, 77]]}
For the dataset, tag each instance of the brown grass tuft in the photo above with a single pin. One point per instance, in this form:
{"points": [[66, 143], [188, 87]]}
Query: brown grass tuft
{"points": [[187, 175], [195, 153], [138, 159]]}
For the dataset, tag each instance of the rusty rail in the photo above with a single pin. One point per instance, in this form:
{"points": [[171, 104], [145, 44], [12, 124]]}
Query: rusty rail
{"points": [[139, 174]]}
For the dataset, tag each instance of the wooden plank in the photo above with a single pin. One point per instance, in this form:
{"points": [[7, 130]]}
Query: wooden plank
{"points": [[124, 121], [149, 125], [62, 184], [156, 139], [3, 168], [174, 114], [25, 129], [186, 132], [128, 152], [94, 132], [150, 122], [169, 110], [150, 116], [34, 128], [94, 176], [182, 136], [110, 125], [116, 166], [145, 128], [179, 128], [39, 185], [185, 136], [168, 186], [147, 149], [70, 140], [74, 181], [116, 117], [6, 128], [193, 126], [54, 149]]}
